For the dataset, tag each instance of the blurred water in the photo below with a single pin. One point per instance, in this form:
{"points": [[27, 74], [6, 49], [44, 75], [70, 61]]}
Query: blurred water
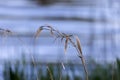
{"points": [[96, 24]]}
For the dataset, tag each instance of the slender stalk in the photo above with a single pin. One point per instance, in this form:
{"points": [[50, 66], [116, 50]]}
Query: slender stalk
{"points": [[50, 73], [67, 38]]}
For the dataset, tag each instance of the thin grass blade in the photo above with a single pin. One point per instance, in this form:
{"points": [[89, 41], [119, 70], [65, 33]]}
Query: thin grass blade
{"points": [[63, 66]]}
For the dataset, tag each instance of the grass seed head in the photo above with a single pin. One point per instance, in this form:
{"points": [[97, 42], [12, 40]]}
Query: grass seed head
{"points": [[78, 44], [66, 44], [38, 32]]}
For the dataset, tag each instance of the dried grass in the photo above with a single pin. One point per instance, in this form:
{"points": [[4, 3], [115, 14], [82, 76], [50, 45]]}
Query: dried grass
{"points": [[67, 39], [66, 44], [78, 44], [38, 32], [63, 37]]}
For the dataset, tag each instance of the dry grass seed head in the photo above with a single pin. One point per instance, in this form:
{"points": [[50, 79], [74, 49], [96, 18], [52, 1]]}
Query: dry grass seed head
{"points": [[67, 38], [66, 44], [38, 32], [78, 44]]}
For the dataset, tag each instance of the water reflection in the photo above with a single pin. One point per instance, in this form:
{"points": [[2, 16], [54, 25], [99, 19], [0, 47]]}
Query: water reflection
{"points": [[96, 23]]}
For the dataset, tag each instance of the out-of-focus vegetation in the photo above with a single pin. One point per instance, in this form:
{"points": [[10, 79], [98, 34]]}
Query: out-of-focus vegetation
{"points": [[24, 71], [19, 71], [72, 39], [106, 72]]}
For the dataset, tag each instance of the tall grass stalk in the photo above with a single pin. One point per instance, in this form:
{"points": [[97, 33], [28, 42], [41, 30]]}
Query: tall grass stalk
{"points": [[67, 39]]}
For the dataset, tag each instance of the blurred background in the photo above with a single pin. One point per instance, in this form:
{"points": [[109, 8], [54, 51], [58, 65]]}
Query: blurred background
{"points": [[96, 22]]}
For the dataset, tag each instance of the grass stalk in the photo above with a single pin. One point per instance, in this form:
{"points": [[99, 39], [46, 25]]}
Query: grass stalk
{"points": [[67, 39]]}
